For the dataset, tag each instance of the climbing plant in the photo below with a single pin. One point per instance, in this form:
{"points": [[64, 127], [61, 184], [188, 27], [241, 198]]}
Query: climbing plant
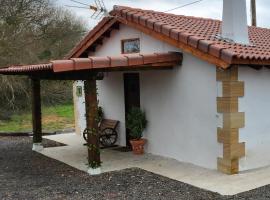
{"points": [[92, 119]]}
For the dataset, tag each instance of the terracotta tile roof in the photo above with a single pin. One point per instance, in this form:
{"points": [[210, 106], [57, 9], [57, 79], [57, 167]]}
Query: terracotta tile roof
{"points": [[198, 36], [26, 68], [118, 62], [125, 61], [201, 33]]}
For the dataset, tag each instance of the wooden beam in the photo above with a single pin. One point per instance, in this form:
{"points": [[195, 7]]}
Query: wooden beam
{"points": [[97, 73], [72, 75], [107, 34], [92, 48], [95, 37], [116, 26], [91, 105], [99, 42], [238, 61], [256, 67], [36, 111]]}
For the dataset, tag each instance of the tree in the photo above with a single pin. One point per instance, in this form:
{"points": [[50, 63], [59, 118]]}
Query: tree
{"points": [[31, 32]]}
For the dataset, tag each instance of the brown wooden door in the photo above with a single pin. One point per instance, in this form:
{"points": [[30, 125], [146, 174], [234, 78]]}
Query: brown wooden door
{"points": [[132, 95]]}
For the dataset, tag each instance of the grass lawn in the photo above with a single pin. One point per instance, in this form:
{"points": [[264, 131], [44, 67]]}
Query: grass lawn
{"points": [[53, 119]]}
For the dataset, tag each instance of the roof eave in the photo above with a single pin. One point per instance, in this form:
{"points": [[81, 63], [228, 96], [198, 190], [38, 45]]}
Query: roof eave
{"points": [[91, 37], [239, 61]]}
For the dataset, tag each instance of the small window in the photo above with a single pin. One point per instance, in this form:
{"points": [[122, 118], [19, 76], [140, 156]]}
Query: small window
{"points": [[131, 46], [79, 91]]}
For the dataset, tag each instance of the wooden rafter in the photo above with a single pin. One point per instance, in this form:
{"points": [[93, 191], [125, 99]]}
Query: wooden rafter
{"points": [[94, 38]]}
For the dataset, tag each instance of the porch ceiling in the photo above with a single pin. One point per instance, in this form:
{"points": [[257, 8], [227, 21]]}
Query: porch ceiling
{"points": [[82, 68]]}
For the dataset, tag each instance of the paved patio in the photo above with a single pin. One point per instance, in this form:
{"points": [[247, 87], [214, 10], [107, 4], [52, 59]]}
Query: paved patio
{"points": [[75, 155], [27, 175]]}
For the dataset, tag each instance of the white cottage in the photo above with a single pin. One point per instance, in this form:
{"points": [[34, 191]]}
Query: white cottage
{"points": [[214, 105], [203, 83]]}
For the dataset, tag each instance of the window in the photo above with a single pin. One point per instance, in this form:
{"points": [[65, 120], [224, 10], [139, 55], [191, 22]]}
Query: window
{"points": [[131, 46], [79, 91]]}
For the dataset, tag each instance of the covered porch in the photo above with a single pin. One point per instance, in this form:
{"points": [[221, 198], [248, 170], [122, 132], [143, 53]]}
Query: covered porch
{"points": [[88, 70]]}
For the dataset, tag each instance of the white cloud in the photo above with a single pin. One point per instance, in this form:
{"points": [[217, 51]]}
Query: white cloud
{"points": [[206, 8]]}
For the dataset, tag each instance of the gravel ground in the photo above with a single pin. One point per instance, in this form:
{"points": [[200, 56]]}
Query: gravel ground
{"points": [[50, 143], [25, 174]]}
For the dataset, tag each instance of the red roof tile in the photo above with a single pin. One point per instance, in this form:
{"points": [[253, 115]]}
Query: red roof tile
{"points": [[27, 68], [99, 63], [201, 34], [198, 34], [118, 62]]}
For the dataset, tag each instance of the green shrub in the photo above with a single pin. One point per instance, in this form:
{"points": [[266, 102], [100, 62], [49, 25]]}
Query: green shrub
{"points": [[136, 123]]}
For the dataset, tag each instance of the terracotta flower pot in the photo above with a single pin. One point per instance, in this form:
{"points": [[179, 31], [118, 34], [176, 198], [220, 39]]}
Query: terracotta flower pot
{"points": [[138, 146]]}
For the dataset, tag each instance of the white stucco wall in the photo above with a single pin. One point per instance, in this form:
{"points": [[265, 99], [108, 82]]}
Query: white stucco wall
{"points": [[180, 104], [181, 108], [79, 103], [111, 99], [256, 105], [111, 89]]}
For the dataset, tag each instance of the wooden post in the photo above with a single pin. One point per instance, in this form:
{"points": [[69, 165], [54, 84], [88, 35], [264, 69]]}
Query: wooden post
{"points": [[253, 13], [36, 115], [91, 105], [233, 120]]}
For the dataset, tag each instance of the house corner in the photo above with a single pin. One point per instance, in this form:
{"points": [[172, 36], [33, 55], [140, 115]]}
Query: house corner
{"points": [[233, 120]]}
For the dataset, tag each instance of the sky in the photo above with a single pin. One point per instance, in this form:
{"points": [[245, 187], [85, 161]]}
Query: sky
{"points": [[206, 8]]}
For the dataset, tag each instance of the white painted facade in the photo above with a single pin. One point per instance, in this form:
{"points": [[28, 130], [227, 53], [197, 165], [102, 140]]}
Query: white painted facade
{"points": [[181, 108], [79, 108], [180, 104], [255, 104]]}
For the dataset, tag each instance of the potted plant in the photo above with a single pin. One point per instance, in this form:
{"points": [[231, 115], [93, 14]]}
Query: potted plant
{"points": [[136, 123]]}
